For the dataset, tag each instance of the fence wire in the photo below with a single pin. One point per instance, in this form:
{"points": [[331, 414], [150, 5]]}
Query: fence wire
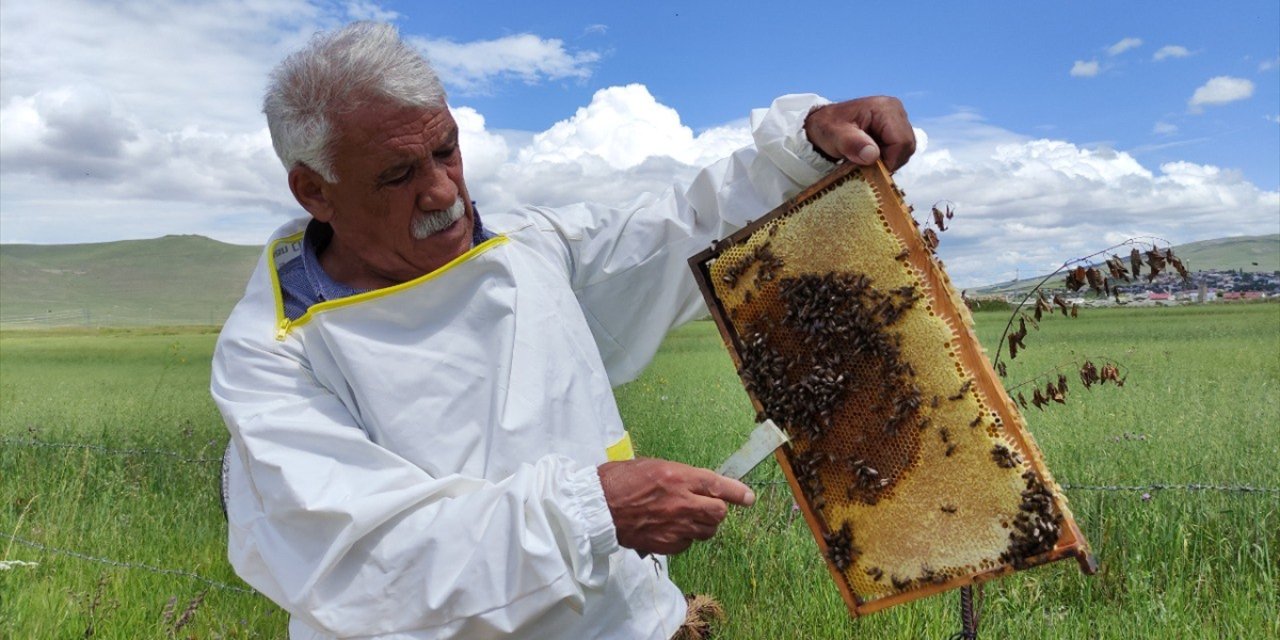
{"points": [[179, 456], [127, 565], [176, 456]]}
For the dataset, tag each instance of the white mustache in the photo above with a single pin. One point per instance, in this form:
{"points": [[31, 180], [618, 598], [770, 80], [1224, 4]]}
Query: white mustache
{"points": [[426, 224]]}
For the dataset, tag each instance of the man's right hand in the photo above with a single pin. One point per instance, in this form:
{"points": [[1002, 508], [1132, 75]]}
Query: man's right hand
{"points": [[659, 506]]}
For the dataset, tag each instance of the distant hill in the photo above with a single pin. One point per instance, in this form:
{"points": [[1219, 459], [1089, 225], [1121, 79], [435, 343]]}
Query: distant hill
{"points": [[196, 280], [1259, 254], [1250, 253], [169, 280]]}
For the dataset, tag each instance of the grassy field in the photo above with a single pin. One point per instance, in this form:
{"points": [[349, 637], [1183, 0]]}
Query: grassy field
{"points": [[169, 280], [127, 536]]}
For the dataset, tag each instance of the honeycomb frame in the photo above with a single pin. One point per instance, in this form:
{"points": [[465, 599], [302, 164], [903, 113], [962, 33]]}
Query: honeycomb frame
{"points": [[847, 333]]}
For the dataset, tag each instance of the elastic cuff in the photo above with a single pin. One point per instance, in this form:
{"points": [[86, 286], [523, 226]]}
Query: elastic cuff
{"points": [[804, 149], [588, 495], [781, 139]]}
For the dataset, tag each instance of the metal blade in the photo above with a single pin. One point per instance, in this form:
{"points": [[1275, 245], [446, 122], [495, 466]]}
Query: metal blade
{"points": [[763, 440]]}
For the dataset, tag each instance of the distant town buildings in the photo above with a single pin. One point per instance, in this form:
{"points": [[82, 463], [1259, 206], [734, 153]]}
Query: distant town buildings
{"points": [[1208, 286]]}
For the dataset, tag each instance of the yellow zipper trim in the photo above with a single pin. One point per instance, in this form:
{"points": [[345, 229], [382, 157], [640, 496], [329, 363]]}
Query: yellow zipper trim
{"points": [[285, 325], [621, 450]]}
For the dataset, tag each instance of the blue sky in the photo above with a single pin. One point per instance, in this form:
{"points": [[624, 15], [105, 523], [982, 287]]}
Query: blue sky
{"points": [[1009, 62], [1056, 128]]}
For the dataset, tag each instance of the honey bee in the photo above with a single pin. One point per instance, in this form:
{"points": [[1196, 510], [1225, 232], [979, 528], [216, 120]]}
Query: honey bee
{"points": [[840, 549], [876, 573], [964, 388], [951, 448], [1005, 458], [947, 508], [899, 583], [927, 574]]}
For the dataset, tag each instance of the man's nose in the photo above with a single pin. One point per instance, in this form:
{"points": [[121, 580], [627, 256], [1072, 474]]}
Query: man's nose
{"points": [[437, 190]]}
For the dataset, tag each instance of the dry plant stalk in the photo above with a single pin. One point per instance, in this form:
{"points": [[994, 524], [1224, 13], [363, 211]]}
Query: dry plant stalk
{"points": [[1077, 277], [94, 606], [189, 613], [911, 465], [702, 614]]}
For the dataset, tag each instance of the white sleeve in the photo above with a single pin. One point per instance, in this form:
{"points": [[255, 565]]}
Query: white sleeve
{"points": [[629, 266], [355, 540]]}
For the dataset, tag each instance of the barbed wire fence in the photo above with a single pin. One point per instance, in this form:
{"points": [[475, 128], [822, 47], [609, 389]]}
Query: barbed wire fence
{"points": [[114, 317], [189, 458]]}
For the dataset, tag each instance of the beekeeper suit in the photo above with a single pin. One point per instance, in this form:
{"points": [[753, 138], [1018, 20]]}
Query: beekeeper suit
{"points": [[420, 460]]}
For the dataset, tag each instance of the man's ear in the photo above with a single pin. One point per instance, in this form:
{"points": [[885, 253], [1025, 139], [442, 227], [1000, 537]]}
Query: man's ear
{"points": [[310, 190]]}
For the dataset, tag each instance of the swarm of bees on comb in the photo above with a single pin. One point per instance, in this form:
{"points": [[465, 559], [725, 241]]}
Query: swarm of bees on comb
{"points": [[910, 462]]}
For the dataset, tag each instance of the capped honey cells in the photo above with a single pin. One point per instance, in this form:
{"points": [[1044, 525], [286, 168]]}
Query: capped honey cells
{"points": [[912, 466]]}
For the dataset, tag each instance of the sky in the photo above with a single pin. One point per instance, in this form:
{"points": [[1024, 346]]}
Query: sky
{"points": [[1055, 129]]}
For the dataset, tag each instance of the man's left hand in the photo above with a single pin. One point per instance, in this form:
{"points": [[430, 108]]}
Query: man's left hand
{"points": [[862, 131]]}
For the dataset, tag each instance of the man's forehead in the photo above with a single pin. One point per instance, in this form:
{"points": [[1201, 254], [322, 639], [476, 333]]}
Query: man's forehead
{"points": [[390, 127]]}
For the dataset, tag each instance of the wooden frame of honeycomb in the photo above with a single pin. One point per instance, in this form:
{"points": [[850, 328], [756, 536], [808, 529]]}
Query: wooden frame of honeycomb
{"points": [[911, 464]]}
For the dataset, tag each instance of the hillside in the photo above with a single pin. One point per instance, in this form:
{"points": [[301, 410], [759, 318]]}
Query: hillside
{"points": [[1259, 254], [169, 280], [1250, 253], [196, 280]]}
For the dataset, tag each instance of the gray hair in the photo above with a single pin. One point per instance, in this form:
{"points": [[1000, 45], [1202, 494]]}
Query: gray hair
{"points": [[336, 73]]}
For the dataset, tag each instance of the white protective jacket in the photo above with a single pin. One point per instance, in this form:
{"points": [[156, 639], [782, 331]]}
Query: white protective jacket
{"points": [[420, 461]]}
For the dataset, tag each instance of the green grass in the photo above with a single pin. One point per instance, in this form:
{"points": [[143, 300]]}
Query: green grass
{"points": [[1202, 389]]}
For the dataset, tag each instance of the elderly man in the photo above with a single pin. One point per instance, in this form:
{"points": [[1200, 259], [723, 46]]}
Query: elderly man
{"points": [[424, 438]]}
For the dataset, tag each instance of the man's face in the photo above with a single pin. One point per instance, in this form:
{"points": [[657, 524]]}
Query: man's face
{"points": [[399, 171]]}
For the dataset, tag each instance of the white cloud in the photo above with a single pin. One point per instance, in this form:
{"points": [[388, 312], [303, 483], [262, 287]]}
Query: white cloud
{"points": [[624, 126], [113, 128], [471, 67], [1164, 129], [1024, 203], [622, 145], [1171, 51], [1082, 69], [366, 10], [1220, 90], [1030, 204], [107, 118], [595, 30], [484, 151], [1123, 46], [1267, 65], [207, 64]]}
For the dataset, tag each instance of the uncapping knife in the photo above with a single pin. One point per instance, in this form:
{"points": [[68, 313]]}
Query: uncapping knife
{"points": [[763, 440]]}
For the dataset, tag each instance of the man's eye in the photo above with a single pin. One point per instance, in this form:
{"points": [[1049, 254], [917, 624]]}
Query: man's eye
{"points": [[445, 154], [400, 178]]}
